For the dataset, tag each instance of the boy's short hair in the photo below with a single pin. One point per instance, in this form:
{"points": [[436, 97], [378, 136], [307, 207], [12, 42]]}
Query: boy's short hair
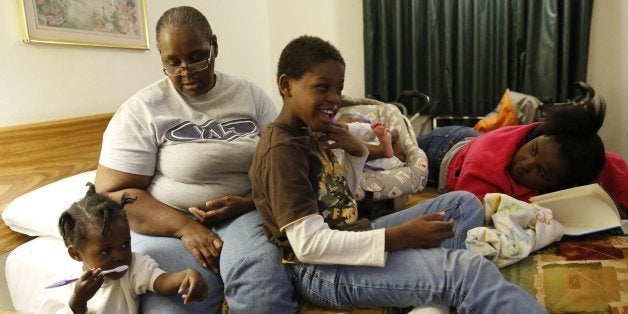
{"points": [[304, 52]]}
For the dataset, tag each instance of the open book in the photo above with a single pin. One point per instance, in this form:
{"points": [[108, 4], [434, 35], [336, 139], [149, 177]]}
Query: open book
{"points": [[584, 209]]}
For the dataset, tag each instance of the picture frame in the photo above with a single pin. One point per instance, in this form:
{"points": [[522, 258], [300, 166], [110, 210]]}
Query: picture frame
{"points": [[101, 23]]}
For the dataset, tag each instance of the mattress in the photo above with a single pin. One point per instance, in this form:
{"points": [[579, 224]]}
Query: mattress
{"points": [[33, 266], [577, 275]]}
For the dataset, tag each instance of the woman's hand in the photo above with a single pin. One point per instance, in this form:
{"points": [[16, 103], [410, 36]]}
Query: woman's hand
{"points": [[341, 138], [84, 289], [223, 208], [202, 243], [422, 232]]}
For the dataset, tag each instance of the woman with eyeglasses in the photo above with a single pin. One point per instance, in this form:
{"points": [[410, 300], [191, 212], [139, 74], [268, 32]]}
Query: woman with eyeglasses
{"points": [[183, 146]]}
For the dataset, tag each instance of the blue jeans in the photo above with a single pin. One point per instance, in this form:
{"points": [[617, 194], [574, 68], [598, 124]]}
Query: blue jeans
{"points": [[438, 142], [412, 277], [255, 281]]}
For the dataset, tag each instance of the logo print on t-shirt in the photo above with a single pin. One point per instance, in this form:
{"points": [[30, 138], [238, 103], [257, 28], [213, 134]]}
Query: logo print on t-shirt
{"points": [[187, 131], [336, 204]]}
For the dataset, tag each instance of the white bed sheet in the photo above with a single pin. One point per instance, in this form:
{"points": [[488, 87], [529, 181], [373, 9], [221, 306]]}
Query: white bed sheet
{"points": [[34, 265]]}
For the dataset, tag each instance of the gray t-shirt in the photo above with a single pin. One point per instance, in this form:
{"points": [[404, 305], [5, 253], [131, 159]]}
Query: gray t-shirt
{"points": [[196, 148]]}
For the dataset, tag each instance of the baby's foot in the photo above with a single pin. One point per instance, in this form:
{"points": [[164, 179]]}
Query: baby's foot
{"points": [[385, 139]]}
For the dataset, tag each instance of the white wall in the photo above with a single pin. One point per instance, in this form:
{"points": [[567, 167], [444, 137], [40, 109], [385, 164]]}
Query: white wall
{"points": [[40, 82], [339, 22], [44, 82], [608, 70]]}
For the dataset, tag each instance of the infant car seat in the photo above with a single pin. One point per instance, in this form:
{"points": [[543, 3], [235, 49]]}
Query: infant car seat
{"points": [[398, 182]]}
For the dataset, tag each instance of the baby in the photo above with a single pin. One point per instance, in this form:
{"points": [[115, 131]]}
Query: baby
{"points": [[385, 149], [96, 232]]}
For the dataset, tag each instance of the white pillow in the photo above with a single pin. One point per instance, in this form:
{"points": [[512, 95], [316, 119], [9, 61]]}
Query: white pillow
{"points": [[37, 212]]}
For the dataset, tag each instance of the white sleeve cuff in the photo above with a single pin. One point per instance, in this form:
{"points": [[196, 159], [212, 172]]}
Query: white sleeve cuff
{"points": [[314, 242]]}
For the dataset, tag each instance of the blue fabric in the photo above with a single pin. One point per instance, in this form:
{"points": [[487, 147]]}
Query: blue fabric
{"points": [[438, 142], [255, 281], [412, 277], [464, 208]]}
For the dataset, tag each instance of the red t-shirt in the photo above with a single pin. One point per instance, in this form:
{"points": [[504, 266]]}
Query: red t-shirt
{"points": [[482, 165], [614, 179]]}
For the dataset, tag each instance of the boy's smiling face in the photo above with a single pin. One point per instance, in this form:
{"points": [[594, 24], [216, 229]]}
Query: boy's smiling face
{"points": [[315, 97]]}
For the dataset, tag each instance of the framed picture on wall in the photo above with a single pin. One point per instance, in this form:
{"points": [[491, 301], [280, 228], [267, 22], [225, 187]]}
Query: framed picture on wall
{"points": [[103, 23]]}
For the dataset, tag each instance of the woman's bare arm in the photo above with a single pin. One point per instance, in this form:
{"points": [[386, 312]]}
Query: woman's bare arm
{"points": [[146, 214]]}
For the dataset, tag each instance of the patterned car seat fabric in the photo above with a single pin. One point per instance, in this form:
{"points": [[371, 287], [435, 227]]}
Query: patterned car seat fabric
{"points": [[392, 183]]}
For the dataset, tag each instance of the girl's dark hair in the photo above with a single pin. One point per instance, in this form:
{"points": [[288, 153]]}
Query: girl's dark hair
{"points": [[184, 16], [94, 210], [304, 52], [574, 127]]}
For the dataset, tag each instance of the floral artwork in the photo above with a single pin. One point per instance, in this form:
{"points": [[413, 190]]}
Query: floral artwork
{"points": [[109, 23]]}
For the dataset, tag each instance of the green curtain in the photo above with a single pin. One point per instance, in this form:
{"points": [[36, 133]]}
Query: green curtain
{"points": [[465, 53]]}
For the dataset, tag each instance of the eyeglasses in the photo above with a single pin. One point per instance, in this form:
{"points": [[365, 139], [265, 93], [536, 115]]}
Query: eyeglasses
{"points": [[193, 67]]}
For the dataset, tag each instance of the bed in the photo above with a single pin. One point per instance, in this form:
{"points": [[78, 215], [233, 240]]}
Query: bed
{"points": [[587, 274], [43, 169], [33, 156], [45, 166]]}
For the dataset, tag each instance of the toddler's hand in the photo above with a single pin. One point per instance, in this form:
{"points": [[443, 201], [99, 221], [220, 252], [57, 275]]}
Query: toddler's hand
{"points": [[193, 287], [85, 288]]}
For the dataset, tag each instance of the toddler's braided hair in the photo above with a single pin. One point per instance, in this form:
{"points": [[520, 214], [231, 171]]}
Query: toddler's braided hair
{"points": [[94, 210]]}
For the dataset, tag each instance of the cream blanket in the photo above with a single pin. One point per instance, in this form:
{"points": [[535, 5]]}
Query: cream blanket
{"points": [[520, 228]]}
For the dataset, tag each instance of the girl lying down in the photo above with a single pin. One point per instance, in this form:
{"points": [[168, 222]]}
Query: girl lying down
{"points": [[526, 160]]}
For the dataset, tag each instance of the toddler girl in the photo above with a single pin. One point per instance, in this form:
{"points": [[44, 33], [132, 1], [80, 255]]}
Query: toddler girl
{"points": [[96, 232]]}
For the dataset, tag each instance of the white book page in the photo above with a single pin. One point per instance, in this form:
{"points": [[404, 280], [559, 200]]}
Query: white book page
{"points": [[581, 210]]}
